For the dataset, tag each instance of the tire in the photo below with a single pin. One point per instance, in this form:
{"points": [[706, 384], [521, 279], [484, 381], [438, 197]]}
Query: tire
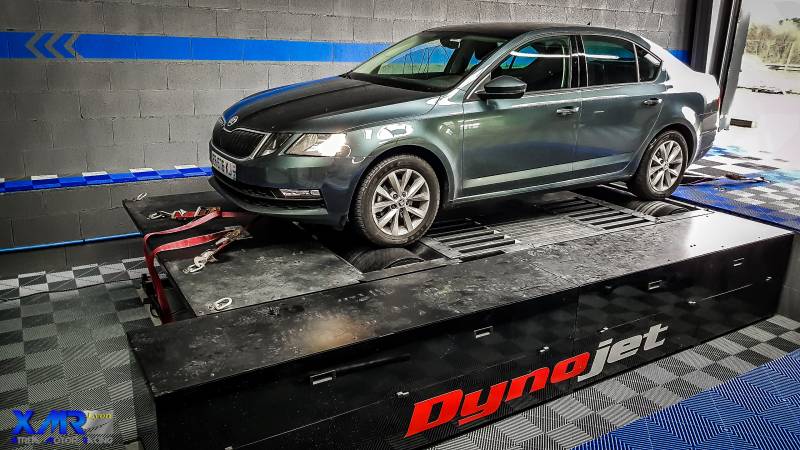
{"points": [[646, 184], [655, 208], [370, 206], [368, 259]]}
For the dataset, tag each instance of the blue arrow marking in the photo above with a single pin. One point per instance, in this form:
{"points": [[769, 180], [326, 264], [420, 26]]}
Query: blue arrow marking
{"points": [[40, 45], [59, 45]]}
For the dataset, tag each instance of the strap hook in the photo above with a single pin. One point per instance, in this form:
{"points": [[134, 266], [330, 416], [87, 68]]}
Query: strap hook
{"points": [[222, 303]]}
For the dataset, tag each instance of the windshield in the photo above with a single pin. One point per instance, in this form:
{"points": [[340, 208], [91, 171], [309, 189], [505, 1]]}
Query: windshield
{"points": [[429, 61]]}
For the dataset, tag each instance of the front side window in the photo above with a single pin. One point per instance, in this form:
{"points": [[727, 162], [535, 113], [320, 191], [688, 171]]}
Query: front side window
{"points": [[428, 61], [609, 60], [543, 64], [649, 65]]}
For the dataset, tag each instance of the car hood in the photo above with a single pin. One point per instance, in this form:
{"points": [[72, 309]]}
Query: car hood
{"points": [[328, 105]]}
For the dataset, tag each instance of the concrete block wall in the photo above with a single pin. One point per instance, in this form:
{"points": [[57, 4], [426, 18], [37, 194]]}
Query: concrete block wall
{"points": [[36, 218], [72, 115]]}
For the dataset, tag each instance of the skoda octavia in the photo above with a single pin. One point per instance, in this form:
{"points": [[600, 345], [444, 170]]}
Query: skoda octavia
{"points": [[465, 113]]}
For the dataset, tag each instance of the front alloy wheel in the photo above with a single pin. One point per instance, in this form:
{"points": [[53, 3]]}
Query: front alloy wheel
{"points": [[400, 203], [396, 201]]}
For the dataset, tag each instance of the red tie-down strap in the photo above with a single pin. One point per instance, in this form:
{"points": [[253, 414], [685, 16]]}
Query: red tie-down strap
{"points": [[182, 214], [166, 312]]}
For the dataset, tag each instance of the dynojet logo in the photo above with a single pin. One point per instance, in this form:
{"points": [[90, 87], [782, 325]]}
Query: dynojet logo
{"points": [[468, 408]]}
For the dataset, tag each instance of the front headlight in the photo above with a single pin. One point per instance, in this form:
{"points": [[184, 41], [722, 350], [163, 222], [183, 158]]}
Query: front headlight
{"points": [[320, 145]]}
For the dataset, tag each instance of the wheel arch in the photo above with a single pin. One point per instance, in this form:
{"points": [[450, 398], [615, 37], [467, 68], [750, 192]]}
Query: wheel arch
{"points": [[442, 170], [688, 134]]}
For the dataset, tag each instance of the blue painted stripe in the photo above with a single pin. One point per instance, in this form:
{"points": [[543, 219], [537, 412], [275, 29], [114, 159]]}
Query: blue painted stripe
{"points": [[112, 237], [683, 55], [16, 44], [178, 48], [27, 184]]}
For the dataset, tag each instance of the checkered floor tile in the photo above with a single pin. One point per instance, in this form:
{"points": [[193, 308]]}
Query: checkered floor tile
{"points": [[776, 200], [68, 350], [757, 410], [77, 277], [594, 411]]}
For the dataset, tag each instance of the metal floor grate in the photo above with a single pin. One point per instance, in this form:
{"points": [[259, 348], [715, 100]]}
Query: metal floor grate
{"points": [[557, 218], [466, 239], [597, 214]]}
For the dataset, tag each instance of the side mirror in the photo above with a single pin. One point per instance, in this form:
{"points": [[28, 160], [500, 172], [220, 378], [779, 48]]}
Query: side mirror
{"points": [[503, 87]]}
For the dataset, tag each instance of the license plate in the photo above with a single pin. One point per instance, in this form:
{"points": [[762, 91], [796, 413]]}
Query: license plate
{"points": [[223, 166]]}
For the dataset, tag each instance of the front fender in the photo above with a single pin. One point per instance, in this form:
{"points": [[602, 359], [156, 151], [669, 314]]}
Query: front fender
{"points": [[439, 138]]}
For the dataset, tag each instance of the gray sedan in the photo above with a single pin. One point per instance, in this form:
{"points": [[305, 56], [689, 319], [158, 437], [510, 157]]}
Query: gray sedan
{"points": [[465, 113]]}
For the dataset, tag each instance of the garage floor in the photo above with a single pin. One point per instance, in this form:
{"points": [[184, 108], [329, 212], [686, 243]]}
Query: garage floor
{"points": [[68, 350], [769, 150], [756, 410], [776, 200]]}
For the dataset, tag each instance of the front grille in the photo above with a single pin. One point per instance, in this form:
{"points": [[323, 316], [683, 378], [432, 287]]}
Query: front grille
{"points": [[263, 196], [248, 189], [237, 143]]}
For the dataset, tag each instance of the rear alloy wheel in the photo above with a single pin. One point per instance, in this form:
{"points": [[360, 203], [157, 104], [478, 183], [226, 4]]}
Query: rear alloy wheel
{"points": [[397, 201], [662, 167], [665, 166]]}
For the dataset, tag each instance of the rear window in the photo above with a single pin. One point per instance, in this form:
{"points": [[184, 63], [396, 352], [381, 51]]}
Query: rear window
{"points": [[649, 65], [610, 60]]}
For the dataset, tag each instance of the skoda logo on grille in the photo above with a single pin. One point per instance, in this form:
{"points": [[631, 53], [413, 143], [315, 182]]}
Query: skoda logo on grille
{"points": [[232, 121]]}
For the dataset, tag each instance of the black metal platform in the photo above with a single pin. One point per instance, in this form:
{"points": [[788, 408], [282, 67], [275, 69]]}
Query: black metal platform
{"points": [[519, 303]]}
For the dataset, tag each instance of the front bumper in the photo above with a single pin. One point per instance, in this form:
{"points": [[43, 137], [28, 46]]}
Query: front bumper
{"points": [[258, 181], [300, 210]]}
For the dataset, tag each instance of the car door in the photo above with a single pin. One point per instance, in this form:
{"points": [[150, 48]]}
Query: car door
{"points": [[619, 110], [513, 144]]}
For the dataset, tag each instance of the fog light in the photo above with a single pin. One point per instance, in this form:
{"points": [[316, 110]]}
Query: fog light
{"points": [[300, 193]]}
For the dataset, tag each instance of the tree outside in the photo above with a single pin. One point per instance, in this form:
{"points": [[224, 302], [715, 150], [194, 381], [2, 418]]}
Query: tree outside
{"points": [[772, 56]]}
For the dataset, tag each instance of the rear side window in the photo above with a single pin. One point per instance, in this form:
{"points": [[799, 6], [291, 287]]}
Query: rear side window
{"points": [[649, 65], [609, 60], [543, 64]]}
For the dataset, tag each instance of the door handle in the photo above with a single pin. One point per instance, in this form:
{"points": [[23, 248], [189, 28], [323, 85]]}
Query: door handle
{"points": [[567, 110], [652, 102]]}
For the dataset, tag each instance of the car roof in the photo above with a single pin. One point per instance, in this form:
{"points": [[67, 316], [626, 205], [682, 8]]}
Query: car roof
{"points": [[510, 30]]}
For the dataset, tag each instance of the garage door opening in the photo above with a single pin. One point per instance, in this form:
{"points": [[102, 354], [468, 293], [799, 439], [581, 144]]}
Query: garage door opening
{"points": [[767, 97]]}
